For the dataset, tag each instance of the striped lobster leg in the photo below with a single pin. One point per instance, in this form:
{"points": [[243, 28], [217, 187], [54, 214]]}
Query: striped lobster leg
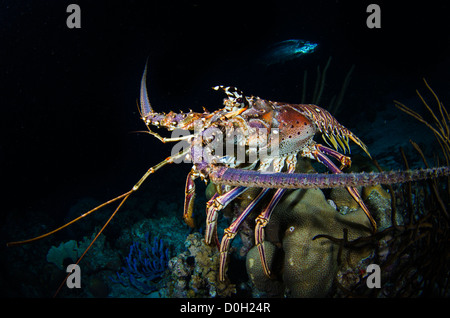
{"points": [[231, 232], [263, 219], [318, 152], [189, 198], [213, 206]]}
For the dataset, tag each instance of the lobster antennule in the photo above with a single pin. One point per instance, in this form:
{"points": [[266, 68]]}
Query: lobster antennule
{"points": [[146, 108]]}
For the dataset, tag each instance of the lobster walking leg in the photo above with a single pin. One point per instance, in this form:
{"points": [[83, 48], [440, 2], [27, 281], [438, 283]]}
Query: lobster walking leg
{"points": [[323, 159], [263, 218], [231, 231], [261, 221], [189, 198], [344, 160], [213, 206]]}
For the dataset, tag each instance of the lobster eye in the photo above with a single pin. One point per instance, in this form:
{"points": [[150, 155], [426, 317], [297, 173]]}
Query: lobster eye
{"points": [[240, 100]]}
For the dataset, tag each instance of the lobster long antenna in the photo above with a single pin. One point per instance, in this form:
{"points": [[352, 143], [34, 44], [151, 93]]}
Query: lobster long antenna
{"points": [[125, 197], [68, 223]]}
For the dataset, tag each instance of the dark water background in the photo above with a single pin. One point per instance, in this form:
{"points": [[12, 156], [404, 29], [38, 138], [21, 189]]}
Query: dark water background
{"points": [[68, 96]]}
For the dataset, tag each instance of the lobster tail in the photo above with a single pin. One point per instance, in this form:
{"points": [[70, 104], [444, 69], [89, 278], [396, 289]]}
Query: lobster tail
{"points": [[358, 141], [340, 139], [333, 133]]}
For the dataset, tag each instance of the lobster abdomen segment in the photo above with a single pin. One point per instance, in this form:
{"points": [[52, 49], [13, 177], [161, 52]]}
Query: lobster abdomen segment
{"points": [[333, 132]]}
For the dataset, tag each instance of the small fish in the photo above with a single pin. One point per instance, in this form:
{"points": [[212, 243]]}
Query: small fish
{"points": [[283, 51]]}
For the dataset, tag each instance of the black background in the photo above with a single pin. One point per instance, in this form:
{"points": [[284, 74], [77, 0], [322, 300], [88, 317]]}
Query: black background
{"points": [[68, 96]]}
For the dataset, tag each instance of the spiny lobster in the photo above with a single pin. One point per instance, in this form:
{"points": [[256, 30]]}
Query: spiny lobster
{"points": [[256, 126]]}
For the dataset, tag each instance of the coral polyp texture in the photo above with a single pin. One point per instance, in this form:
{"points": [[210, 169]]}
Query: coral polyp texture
{"points": [[194, 273], [306, 267]]}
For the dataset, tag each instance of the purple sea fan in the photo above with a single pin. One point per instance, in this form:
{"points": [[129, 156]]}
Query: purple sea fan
{"points": [[144, 265]]}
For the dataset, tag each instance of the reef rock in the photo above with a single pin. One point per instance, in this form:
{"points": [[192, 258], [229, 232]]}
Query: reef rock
{"points": [[270, 287], [343, 200], [65, 250], [195, 272], [304, 266], [378, 201]]}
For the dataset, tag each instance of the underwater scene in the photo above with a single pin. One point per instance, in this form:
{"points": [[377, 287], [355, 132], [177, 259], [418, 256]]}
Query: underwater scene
{"points": [[238, 150]]}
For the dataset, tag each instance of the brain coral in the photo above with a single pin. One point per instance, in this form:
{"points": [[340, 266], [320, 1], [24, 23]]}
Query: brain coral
{"points": [[307, 267]]}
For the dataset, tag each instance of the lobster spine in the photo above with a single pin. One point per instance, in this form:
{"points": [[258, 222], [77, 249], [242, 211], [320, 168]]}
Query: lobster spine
{"points": [[173, 120], [251, 178]]}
